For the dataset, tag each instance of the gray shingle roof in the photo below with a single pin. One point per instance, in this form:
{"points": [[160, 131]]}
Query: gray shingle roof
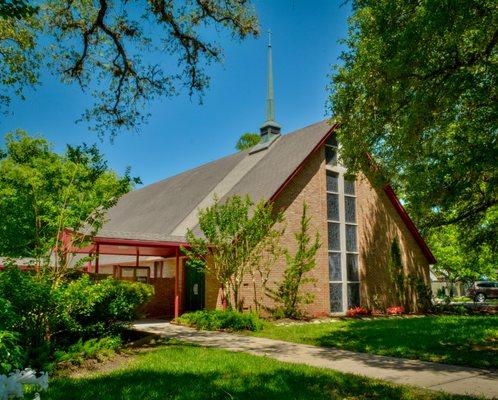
{"points": [[154, 211]]}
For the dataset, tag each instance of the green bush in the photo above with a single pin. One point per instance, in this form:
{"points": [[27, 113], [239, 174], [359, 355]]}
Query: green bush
{"points": [[101, 308], [45, 317], [31, 311], [99, 349], [229, 320], [451, 309], [11, 354]]}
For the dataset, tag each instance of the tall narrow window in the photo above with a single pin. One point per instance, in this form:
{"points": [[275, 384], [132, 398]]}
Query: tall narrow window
{"points": [[344, 274], [352, 270], [334, 240]]}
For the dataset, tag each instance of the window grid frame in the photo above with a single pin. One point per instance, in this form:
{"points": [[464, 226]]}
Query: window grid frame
{"points": [[340, 172]]}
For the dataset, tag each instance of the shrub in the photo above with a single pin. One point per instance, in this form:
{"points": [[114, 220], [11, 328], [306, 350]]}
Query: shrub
{"points": [[424, 294], [395, 310], [99, 349], [45, 317], [358, 312], [102, 307], [289, 296], [229, 320], [11, 354], [29, 309], [451, 309]]}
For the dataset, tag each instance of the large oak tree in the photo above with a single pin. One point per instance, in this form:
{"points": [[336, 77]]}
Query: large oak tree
{"points": [[418, 91], [100, 45]]}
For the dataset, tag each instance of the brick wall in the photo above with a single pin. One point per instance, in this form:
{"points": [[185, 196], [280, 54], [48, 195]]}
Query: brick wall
{"points": [[163, 302], [378, 225]]}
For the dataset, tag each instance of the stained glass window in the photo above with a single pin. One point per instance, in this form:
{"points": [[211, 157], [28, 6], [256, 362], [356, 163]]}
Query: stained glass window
{"points": [[353, 295], [352, 267], [349, 187], [334, 236], [335, 273], [333, 207], [336, 297], [332, 182], [350, 205], [351, 238]]}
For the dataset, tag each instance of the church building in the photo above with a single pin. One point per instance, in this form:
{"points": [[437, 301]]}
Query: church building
{"points": [[360, 225]]}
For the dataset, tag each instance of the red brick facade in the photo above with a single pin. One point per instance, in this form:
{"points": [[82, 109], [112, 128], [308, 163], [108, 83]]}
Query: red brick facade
{"points": [[378, 225]]}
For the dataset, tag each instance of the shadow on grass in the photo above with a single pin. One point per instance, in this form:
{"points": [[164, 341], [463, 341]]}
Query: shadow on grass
{"points": [[466, 341], [281, 383]]}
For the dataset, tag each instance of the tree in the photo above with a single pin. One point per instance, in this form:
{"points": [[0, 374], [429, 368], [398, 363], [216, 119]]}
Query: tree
{"points": [[458, 263], [42, 193], [99, 45], [418, 91], [231, 232], [16, 9], [247, 140], [288, 294], [262, 260]]}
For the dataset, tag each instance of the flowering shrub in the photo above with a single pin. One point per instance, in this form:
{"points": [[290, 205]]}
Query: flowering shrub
{"points": [[12, 385], [358, 312], [395, 310]]}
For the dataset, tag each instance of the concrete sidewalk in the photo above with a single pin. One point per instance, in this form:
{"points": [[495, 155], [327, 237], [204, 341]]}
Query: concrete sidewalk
{"points": [[433, 376]]}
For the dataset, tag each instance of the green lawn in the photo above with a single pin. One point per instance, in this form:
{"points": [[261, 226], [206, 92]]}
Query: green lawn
{"points": [[463, 340], [180, 371]]}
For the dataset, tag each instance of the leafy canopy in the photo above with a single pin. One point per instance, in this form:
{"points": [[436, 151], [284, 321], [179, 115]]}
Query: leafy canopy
{"points": [[99, 45], [247, 140], [457, 262], [418, 91], [232, 230], [43, 192]]}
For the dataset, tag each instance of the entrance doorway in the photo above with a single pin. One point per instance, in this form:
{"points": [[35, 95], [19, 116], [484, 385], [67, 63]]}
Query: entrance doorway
{"points": [[195, 283]]}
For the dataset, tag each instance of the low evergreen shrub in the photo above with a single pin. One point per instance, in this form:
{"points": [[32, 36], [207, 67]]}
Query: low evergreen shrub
{"points": [[99, 349], [229, 320]]}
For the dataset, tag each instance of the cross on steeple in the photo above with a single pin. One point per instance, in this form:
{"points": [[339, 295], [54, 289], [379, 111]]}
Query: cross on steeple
{"points": [[270, 128]]}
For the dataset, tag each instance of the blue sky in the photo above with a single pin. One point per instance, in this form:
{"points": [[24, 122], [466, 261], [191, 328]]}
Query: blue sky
{"points": [[181, 134]]}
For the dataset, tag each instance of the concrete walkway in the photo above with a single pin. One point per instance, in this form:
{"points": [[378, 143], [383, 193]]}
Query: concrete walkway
{"points": [[433, 376]]}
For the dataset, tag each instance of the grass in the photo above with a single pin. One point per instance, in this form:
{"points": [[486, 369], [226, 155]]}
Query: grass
{"points": [[462, 340], [461, 299], [186, 372]]}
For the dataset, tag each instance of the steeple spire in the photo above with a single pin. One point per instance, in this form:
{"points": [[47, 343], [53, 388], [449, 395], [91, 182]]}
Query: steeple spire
{"points": [[270, 106], [270, 128]]}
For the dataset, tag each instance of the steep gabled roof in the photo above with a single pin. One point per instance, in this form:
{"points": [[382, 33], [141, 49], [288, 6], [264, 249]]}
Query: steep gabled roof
{"points": [[162, 210]]}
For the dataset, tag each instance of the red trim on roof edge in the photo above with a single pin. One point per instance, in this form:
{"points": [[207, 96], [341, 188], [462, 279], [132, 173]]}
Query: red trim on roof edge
{"points": [[387, 189], [409, 224], [135, 242], [300, 166]]}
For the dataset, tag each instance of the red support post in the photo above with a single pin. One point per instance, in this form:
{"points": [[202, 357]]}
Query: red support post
{"points": [[97, 260], [177, 284]]}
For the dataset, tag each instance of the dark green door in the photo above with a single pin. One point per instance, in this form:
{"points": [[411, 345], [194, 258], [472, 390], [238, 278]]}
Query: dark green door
{"points": [[195, 285]]}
